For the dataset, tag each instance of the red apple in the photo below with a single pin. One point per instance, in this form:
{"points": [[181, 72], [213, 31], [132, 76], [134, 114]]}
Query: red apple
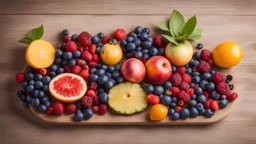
{"points": [[133, 70], [159, 70]]}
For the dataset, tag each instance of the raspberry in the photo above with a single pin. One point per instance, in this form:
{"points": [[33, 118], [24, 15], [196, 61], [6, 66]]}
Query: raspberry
{"points": [[209, 61], [86, 56], [190, 91], [93, 86], [95, 58], [43, 71], [187, 78], [175, 91], [92, 48], [206, 94], [233, 96], [87, 101], [218, 77], [176, 79], [81, 50], [184, 96], [158, 41], [90, 93], [223, 88], [103, 109], [132, 55], [95, 109], [84, 39], [178, 109], [76, 69], [92, 64], [84, 74], [67, 38], [205, 54], [105, 39], [58, 107], [49, 110], [204, 66], [214, 105], [86, 49], [71, 46], [20, 77], [180, 103], [153, 99], [66, 68], [207, 104], [120, 34], [184, 86], [70, 108], [85, 67], [181, 70], [96, 100]]}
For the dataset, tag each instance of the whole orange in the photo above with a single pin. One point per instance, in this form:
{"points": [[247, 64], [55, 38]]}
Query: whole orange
{"points": [[158, 112], [227, 54], [111, 54]]}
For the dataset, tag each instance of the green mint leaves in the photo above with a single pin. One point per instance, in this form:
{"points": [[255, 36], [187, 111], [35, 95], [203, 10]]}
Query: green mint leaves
{"points": [[177, 30], [33, 34]]}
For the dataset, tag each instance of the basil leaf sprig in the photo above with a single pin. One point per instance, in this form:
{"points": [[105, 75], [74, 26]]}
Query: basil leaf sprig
{"points": [[33, 34]]}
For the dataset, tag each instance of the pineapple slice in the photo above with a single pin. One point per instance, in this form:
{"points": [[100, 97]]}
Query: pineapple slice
{"points": [[127, 98]]}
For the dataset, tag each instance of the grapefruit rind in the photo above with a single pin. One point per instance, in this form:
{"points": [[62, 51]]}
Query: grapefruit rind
{"points": [[71, 98]]}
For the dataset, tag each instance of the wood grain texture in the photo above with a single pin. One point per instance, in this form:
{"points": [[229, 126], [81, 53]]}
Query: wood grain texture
{"points": [[19, 125]]}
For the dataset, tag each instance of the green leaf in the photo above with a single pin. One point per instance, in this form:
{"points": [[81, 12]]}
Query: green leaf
{"points": [[163, 25], [36, 33], [196, 34], [189, 26], [25, 41], [171, 39], [176, 23]]}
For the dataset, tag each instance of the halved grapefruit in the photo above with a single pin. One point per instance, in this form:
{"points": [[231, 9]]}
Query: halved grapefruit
{"points": [[67, 87]]}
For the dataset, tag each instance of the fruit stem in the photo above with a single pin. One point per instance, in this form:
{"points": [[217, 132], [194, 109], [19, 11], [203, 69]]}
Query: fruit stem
{"points": [[180, 39]]}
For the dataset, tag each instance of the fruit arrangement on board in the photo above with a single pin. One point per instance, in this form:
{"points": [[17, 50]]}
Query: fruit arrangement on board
{"points": [[128, 72]]}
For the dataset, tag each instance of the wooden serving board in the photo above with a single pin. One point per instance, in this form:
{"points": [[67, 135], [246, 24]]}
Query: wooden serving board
{"points": [[142, 118]]}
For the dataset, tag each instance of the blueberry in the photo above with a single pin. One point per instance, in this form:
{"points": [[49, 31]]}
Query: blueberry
{"points": [[199, 106], [76, 54], [119, 80], [95, 39], [35, 102], [132, 34], [63, 62], [138, 29], [166, 100], [138, 54], [104, 67], [143, 36], [60, 70], [40, 94], [222, 97], [118, 67], [172, 105], [39, 84], [116, 74], [184, 113], [175, 116], [194, 63], [109, 84], [174, 99], [149, 89], [193, 112], [144, 51], [63, 46], [71, 63], [31, 82], [92, 70], [35, 93], [192, 85], [46, 79], [161, 51], [94, 77], [137, 42], [186, 66], [100, 72], [161, 96], [209, 113], [192, 103], [201, 99], [79, 105], [198, 91], [146, 30], [111, 69], [102, 79], [123, 43], [231, 86], [128, 55], [206, 76], [145, 45], [158, 90], [174, 68], [108, 74], [215, 95], [146, 56], [44, 99], [204, 84], [138, 49], [29, 98], [229, 77], [196, 74], [19, 93], [171, 111], [202, 112], [129, 39], [103, 97], [79, 116], [88, 113], [47, 104], [42, 108], [30, 88], [193, 97], [223, 103], [131, 47], [52, 74], [22, 97], [25, 104], [74, 37], [210, 86], [29, 76], [197, 55], [167, 85], [38, 77], [98, 50], [100, 90], [100, 44], [153, 51], [65, 32], [100, 35], [199, 46], [57, 61], [212, 72]]}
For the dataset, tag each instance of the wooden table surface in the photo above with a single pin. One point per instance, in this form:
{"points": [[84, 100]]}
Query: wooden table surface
{"points": [[221, 20]]}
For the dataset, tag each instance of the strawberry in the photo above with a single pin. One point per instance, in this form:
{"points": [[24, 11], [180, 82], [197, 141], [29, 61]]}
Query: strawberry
{"points": [[105, 39], [85, 67], [183, 96], [90, 93], [206, 94], [214, 105], [175, 91], [58, 107], [92, 48], [158, 41], [233, 96], [71, 46], [84, 39], [176, 79], [120, 34], [204, 66], [93, 86], [43, 71], [187, 78], [184, 86], [205, 54], [86, 48], [103, 109], [80, 50], [67, 38], [223, 88], [181, 70], [180, 103], [76, 69], [207, 104], [80, 62], [178, 109], [84, 74], [86, 56], [95, 109], [95, 58], [70, 108], [92, 64], [153, 99], [49, 110], [87, 101], [20, 77], [218, 77], [96, 100], [190, 91]]}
